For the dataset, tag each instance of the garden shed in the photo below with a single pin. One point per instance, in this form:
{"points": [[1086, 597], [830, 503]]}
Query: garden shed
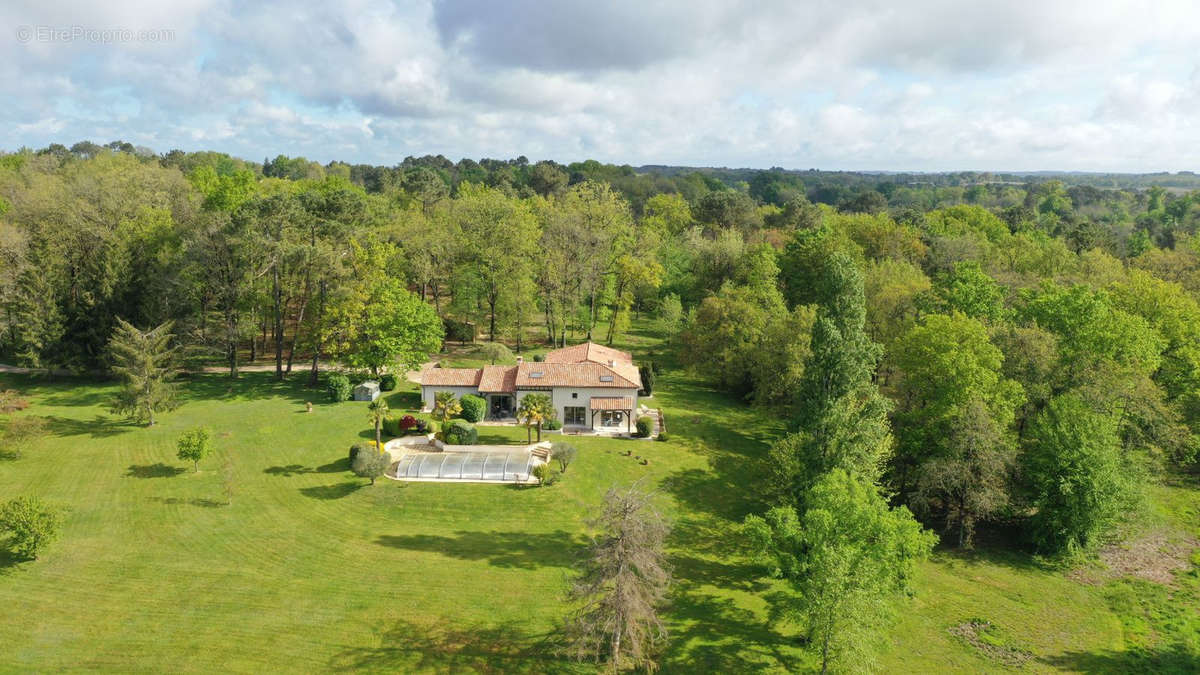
{"points": [[367, 391]]}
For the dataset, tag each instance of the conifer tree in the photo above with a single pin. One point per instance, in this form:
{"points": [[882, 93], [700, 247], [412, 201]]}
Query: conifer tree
{"points": [[144, 360]]}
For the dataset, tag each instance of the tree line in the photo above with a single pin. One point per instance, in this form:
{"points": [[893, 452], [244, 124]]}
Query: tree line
{"points": [[994, 356]]}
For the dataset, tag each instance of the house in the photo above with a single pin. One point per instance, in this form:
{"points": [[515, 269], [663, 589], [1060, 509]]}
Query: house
{"points": [[591, 386]]}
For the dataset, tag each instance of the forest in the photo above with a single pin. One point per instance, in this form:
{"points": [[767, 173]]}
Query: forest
{"points": [[1004, 357]]}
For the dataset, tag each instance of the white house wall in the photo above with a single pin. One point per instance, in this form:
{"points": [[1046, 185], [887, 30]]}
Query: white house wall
{"points": [[561, 397], [428, 392]]}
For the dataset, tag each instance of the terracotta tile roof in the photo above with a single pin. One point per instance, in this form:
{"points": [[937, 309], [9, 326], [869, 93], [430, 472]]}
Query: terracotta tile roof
{"points": [[571, 375], [611, 403], [588, 351], [451, 377], [496, 379]]}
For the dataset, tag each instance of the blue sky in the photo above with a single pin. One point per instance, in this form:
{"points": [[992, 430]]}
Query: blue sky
{"points": [[851, 84]]}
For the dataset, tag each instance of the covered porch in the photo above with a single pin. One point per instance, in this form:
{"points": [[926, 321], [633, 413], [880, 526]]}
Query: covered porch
{"points": [[611, 413], [501, 407]]}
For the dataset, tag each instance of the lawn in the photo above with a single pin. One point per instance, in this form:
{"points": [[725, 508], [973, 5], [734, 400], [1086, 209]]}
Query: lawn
{"points": [[275, 557]]}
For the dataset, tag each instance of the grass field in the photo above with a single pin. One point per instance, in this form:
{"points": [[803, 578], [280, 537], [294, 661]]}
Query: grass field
{"points": [[275, 557]]}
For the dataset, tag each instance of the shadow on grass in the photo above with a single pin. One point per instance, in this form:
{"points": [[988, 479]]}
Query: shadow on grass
{"points": [[249, 386], [336, 491], [493, 438], [710, 634], [9, 560], [337, 466], [82, 395], [98, 427], [158, 470], [403, 400], [1175, 658], [206, 503], [500, 549], [451, 648]]}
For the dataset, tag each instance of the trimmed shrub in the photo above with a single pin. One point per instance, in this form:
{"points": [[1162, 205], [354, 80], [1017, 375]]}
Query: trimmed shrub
{"points": [[551, 424], [407, 424], [539, 357], [647, 374], [663, 437], [357, 448], [473, 407], [644, 426], [338, 387], [461, 432], [387, 382]]}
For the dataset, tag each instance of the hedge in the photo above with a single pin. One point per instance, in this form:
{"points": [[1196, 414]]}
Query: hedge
{"points": [[461, 432], [645, 425], [337, 386], [473, 407]]}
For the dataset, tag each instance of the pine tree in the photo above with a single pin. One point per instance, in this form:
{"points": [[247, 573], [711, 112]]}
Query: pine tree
{"points": [[36, 320], [624, 581], [144, 360]]}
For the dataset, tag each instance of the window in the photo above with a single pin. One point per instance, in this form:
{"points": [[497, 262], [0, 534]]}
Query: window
{"points": [[606, 378], [537, 374], [575, 415], [574, 394]]}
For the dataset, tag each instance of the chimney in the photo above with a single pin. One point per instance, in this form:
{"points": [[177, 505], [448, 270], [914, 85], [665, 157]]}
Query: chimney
{"points": [[612, 364], [520, 360]]}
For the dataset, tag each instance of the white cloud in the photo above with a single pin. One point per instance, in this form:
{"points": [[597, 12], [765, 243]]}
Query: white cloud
{"points": [[857, 84]]}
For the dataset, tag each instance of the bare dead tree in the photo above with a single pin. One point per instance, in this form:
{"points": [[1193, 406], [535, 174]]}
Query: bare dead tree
{"points": [[623, 582]]}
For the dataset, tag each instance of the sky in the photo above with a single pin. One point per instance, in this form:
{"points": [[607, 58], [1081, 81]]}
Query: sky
{"points": [[927, 85]]}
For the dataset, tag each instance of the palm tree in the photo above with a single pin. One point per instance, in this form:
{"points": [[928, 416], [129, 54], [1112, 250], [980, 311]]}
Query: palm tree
{"points": [[377, 411], [445, 407], [535, 409]]}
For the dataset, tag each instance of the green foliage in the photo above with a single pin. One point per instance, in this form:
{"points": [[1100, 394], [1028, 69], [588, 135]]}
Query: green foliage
{"points": [[1092, 332], [194, 446], [662, 436], [30, 524], [841, 416], [546, 474], [945, 363], [533, 411], [564, 454], [377, 413], [387, 382], [1079, 483], [445, 407], [727, 330], [461, 432], [847, 556], [356, 449], [967, 289], [370, 463], [459, 331], [670, 314], [144, 362], [644, 426], [646, 373], [495, 351], [473, 407], [396, 329], [338, 387], [552, 424]]}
